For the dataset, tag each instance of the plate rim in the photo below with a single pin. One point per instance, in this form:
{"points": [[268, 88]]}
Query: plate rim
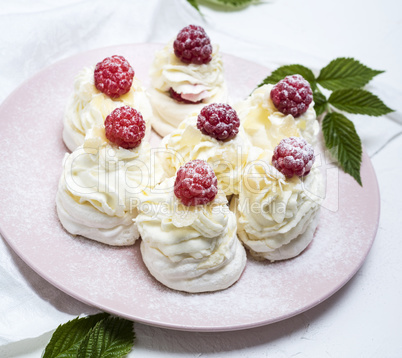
{"points": [[175, 326]]}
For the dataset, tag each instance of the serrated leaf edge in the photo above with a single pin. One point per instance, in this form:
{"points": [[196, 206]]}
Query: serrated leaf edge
{"points": [[96, 334], [334, 147], [328, 83], [358, 108], [61, 333]]}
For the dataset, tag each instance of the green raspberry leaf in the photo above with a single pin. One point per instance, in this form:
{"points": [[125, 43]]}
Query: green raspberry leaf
{"points": [[112, 337], [232, 3], [281, 72], [345, 73], [343, 142], [358, 101], [68, 336], [194, 4], [320, 103]]}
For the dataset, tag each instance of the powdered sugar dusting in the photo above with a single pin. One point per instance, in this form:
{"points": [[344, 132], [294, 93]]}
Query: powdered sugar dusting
{"points": [[115, 279]]}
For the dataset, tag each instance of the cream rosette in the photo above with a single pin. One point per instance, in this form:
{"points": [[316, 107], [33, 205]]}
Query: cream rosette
{"points": [[99, 189], [189, 248], [196, 82], [276, 216], [226, 158], [265, 126], [88, 107]]}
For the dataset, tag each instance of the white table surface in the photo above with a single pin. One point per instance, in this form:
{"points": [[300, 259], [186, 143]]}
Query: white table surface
{"points": [[364, 318]]}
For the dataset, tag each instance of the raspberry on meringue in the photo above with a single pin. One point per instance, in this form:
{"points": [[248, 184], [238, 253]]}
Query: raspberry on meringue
{"points": [[293, 156], [192, 45], [125, 127], [113, 76], [292, 95], [219, 121], [195, 183]]}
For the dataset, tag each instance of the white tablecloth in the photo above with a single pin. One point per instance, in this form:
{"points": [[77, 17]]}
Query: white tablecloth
{"points": [[363, 319]]}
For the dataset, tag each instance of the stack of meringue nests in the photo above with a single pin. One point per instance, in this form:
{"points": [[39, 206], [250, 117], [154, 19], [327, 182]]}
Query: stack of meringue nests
{"points": [[115, 195]]}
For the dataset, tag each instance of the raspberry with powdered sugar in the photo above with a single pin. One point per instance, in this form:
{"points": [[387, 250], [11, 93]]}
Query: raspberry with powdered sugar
{"points": [[219, 121], [196, 183], [293, 156], [292, 95], [192, 45], [113, 76], [125, 127]]}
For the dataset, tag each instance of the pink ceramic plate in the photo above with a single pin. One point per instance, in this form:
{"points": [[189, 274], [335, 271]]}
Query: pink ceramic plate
{"points": [[115, 279]]}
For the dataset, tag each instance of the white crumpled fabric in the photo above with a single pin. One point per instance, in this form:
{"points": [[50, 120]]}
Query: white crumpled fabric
{"points": [[34, 35]]}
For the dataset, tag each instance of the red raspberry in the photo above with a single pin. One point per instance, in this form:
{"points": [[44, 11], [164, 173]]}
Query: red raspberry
{"points": [[125, 127], [219, 121], [192, 45], [177, 97], [195, 183], [114, 76], [292, 95], [293, 156]]}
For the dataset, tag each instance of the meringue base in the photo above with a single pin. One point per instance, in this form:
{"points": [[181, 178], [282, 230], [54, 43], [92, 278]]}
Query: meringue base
{"points": [[87, 221], [287, 251], [189, 275]]}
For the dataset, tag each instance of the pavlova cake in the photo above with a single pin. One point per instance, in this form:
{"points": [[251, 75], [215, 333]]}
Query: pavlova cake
{"points": [[185, 75], [189, 240], [278, 205], [102, 180]]}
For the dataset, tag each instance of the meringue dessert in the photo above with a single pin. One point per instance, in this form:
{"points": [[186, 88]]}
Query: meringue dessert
{"points": [[215, 136], [185, 75], [97, 93], [188, 233], [99, 189], [265, 125], [277, 214]]}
